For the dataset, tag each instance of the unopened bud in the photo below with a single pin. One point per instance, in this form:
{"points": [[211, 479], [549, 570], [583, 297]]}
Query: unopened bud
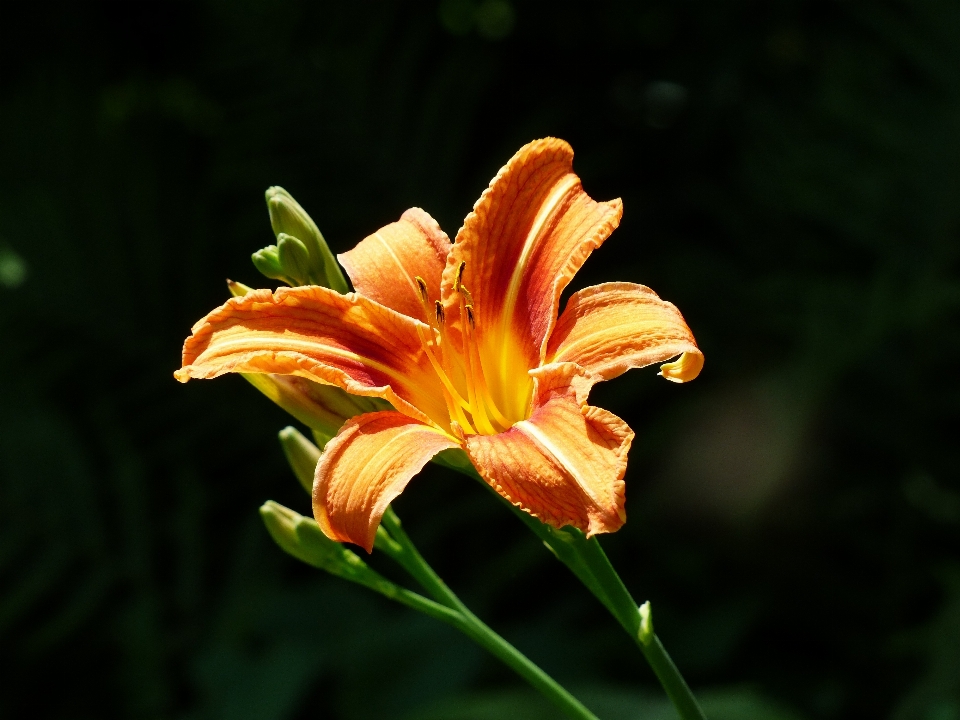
{"points": [[301, 537], [294, 259], [288, 218], [302, 455], [645, 635], [322, 408], [267, 261]]}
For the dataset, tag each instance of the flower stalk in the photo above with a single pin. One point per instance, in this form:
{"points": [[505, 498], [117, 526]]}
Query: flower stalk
{"points": [[587, 560], [405, 553]]}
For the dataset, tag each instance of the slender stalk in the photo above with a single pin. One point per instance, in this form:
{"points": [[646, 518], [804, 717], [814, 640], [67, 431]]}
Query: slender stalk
{"points": [[669, 676], [424, 605], [632, 620], [590, 564], [401, 548]]}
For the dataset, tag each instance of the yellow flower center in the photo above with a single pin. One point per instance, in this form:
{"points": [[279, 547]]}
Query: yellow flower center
{"points": [[469, 401]]}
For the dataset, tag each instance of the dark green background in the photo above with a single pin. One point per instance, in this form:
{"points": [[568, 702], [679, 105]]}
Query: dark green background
{"points": [[791, 180]]}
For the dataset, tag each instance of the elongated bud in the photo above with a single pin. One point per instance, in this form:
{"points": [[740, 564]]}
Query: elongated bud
{"points": [[287, 217], [237, 289], [302, 455], [301, 537], [646, 624], [267, 261], [322, 408], [294, 259]]}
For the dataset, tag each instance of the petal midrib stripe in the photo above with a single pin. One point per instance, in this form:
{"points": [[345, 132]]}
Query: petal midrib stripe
{"points": [[400, 266], [535, 434], [547, 210], [315, 347]]}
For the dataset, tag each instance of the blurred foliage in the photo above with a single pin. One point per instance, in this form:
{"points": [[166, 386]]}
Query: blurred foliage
{"points": [[791, 180]]}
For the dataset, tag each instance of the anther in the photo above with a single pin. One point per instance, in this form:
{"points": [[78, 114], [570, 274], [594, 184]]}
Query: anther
{"points": [[459, 281], [422, 286], [441, 315], [470, 318]]}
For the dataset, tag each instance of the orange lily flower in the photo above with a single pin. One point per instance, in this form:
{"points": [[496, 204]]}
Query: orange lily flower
{"points": [[464, 341]]}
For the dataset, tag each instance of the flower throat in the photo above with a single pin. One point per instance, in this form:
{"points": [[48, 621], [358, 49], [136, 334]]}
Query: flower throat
{"points": [[474, 411]]}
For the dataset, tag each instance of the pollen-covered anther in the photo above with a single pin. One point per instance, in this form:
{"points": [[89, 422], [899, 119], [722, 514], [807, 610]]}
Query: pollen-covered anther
{"points": [[459, 279], [422, 287], [441, 314], [470, 317]]}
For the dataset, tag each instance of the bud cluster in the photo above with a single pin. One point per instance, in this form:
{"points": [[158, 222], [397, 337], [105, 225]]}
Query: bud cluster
{"points": [[301, 255]]}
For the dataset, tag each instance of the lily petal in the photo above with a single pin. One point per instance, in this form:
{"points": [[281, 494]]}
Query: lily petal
{"points": [[608, 329], [365, 467], [318, 334], [563, 465], [528, 234], [383, 266]]}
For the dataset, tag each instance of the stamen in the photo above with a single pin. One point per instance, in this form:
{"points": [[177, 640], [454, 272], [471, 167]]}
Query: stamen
{"points": [[459, 279], [454, 397], [449, 358], [476, 404], [422, 287], [457, 412]]}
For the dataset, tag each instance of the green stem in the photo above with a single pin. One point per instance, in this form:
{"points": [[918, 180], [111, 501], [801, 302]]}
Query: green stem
{"points": [[669, 676], [424, 605], [401, 548], [590, 564], [632, 620]]}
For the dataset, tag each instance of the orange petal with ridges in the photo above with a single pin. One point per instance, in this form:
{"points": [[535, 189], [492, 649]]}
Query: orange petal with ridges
{"points": [[528, 234], [365, 467], [608, 329], [316, 333], [383, 266], [563, 465]]}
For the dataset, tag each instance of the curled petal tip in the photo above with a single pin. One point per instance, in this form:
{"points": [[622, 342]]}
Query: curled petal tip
{"points": [[683, 369]]}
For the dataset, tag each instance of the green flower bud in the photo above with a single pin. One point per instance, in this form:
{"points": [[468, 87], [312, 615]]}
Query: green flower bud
{"points": [[294, 259], [302, 538], [302, 455], [646, 624], [322, 408], [267, 261], [287, 217]]}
